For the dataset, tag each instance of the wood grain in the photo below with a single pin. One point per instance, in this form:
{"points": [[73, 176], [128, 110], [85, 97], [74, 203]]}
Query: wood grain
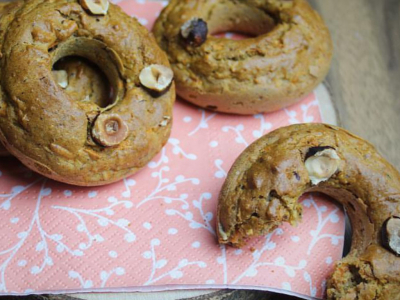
{"points": [[365, 75]]}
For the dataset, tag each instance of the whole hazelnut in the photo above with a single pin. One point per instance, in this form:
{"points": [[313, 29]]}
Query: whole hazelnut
{"points": [[194, 32], [156, 77], [322, 165], [109, 130]]}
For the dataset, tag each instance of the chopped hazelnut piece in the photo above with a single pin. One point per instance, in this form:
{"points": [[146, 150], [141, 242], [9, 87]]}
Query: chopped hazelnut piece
{"points": [[391, 235], [61, 77], [96, 7], [314, 71], [194, 32], [165, 121], [109, 130], [322, 165], [222, 233], [156, 77]]}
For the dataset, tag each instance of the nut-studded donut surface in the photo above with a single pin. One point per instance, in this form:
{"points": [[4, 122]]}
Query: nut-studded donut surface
{"points": [[80, 142], [264, 184], [81, 80], [287, 57]]}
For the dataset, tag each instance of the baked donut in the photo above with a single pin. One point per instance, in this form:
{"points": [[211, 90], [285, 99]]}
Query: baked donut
{"points": [[265, 182], [82, 142], [82, 81], [287, 57]]}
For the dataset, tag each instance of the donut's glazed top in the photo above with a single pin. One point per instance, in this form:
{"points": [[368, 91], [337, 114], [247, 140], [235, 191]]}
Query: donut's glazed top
{"points": [[264, 184], [289, 55], [42, 126]]}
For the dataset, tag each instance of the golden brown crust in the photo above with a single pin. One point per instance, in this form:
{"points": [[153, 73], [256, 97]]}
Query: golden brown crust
{"points": [[84, 83], [3, 9], [272, 70], [265, 182], [40, 123]]}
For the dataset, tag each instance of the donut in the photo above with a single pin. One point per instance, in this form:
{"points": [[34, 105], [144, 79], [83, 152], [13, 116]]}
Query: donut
{"points": [[80, 80], [80, 141], [83, 81], [264, 184], [287, 55]]}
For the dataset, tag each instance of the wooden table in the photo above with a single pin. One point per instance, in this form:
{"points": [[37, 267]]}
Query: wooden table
{"points": [[365, 76], [364, 82]]}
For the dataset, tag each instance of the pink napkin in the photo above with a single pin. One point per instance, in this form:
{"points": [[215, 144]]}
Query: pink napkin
{"points": [[156, 230]]}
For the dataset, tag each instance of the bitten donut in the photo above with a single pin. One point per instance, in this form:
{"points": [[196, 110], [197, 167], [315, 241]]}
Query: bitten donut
{"points": [[264, 184], [82, 142], [287, 57]]}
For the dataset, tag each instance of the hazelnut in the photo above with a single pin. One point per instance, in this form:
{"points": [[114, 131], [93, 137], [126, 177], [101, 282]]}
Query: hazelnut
{"points": [[222, 233], [109, 130], [391, 235], [156, 77], [61, 78], [194, 32], [96, 7], [314, 71], [165, 121], [322, 165]]}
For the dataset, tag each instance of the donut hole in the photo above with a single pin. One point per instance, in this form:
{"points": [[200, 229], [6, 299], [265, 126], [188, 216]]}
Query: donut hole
{"points": [[83, 81], [232, 35], [239, 21], [348, 230], [103, 63], [348, 233]]}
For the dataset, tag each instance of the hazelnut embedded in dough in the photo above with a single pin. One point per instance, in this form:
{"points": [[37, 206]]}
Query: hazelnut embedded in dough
{"points": [[109, 130], [61, 77], [156, 77], [165, 121], [96, 7], [194, 32], [322, 165], [392, 235]]}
